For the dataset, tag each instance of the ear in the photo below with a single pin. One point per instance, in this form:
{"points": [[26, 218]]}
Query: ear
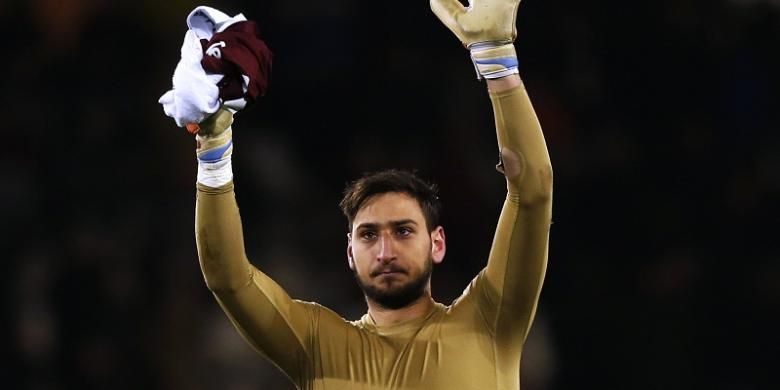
{"points": [[438, 245], [350, 257]]}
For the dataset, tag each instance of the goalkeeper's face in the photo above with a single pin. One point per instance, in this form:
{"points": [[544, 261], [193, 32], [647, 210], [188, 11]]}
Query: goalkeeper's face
{"points": [[392, 251]]}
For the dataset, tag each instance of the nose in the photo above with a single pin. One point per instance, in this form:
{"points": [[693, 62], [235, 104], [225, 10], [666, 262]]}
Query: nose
{"points": [[386, 248]]}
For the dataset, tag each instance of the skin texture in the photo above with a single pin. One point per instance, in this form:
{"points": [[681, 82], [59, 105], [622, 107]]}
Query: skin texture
{"points": [[390, 249]]}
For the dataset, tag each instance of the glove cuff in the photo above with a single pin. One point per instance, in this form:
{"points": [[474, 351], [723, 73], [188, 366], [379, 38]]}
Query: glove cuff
{"points": [[214, 158], [211, 149], [216, 174], [493, 60]]}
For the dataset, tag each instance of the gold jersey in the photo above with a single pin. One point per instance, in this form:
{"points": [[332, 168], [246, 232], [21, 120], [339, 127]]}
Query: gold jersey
{"points": [[474, 343]]}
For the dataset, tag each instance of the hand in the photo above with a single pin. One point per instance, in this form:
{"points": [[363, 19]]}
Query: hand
{"points": [[487, 29], [215, 137], [216, 124], [215, 149], [483, 21]]}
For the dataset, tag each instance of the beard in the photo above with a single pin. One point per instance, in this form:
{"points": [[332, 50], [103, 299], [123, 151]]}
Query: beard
{"points": [[396, 297]]}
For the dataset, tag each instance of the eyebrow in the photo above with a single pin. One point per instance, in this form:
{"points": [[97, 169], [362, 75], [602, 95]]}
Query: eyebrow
{"points": [[374, 225]]}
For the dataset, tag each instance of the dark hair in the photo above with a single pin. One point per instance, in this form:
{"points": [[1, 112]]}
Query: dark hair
{"points": [[392, 180]]}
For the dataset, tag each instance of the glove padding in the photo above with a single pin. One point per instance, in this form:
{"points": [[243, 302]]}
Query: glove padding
{"points": [[483, 21], [487, 28], [215, 149], [215, 137]]}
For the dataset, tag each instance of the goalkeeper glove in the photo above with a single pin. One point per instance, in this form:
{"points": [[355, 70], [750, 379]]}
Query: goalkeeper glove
{"points": [[487, 28], [215, 148]]}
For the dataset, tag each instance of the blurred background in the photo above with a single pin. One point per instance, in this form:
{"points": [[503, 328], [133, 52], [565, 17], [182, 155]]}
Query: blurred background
{"points": [[660, 118]]}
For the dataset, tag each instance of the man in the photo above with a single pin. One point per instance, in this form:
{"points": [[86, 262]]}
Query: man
{"points": [[405, 340]]}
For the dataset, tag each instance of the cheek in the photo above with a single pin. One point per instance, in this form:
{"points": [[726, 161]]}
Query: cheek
{"points": [[362, 260], [423, 247], [418, 256]]}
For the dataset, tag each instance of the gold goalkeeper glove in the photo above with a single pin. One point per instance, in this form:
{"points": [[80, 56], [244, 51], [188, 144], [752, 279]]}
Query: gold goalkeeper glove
{"points": [[215, 137], [487, 28], [214, 149]]}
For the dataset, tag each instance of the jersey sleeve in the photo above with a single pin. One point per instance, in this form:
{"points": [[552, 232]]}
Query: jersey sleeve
{"points": [[278, 327], [510, 285]]}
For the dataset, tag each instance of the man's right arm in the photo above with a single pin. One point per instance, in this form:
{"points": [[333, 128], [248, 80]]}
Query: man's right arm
{"points": [[274, 324], [204, 102]]}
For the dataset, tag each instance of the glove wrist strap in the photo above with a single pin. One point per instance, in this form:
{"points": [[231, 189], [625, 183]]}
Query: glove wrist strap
{"points": [[214, 153], [216, 174], [493, 60]]}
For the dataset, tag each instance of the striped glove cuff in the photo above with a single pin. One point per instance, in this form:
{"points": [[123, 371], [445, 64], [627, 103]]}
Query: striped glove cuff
{"points": [[212, 149], [214, 158], [493, 60]]}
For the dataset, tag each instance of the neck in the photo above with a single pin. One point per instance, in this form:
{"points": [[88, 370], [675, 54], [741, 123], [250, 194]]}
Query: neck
{"points": [[383, 316]]}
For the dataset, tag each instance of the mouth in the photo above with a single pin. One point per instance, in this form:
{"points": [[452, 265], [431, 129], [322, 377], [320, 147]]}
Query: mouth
{"points": [[387, 272]]}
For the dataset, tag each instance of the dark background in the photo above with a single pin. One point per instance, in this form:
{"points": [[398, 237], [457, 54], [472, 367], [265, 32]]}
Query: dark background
{"points": [[660, 118]]}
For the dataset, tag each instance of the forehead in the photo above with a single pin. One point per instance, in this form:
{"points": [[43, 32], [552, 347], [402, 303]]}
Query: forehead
{"points": [[390, 206]]}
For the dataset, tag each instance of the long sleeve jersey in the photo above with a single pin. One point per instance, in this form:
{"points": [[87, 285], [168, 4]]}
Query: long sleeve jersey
{"points": [[474, 343]]}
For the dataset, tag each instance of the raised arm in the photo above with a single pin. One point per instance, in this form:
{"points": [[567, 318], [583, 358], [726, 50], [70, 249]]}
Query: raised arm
{"points": [[509, 287], [518, 257], [274, 324], [238, 62]]}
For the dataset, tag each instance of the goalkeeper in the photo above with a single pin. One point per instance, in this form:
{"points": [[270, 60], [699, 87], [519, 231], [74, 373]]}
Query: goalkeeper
{"points": [[405, 340]]}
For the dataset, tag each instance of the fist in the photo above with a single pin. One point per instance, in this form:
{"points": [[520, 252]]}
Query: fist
{"points": [[214, 125]]}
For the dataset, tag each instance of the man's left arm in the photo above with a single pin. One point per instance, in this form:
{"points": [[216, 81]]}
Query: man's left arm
{"points": [[508, 288], [518, 257]]}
